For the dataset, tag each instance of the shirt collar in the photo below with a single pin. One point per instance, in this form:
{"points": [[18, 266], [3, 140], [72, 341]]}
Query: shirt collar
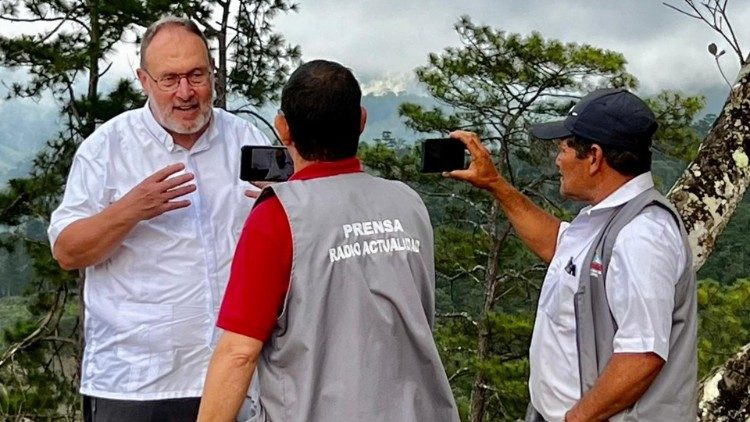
{"points": [[208, 136], [328, 168], [624, 193], [160, 134]]}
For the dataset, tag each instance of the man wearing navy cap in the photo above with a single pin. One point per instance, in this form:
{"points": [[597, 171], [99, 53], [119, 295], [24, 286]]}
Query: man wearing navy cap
{"points": [[615, 330]]}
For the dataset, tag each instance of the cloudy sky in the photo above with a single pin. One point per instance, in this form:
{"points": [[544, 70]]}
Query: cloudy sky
{"points": [[387, 39], [384, 40]]}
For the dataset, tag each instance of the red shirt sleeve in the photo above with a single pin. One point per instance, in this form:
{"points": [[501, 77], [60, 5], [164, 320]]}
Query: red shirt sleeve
{"points": [[259, 277]]}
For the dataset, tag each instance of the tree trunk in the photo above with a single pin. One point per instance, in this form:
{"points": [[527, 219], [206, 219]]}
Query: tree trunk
{"points": [[706, 196], [479, 390], [708, 192], [725, 394], [221, 70], [94, 54]]}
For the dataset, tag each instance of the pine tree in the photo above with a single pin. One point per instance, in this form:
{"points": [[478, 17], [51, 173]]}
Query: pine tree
{"points": [[252, 60], [496, 84]]}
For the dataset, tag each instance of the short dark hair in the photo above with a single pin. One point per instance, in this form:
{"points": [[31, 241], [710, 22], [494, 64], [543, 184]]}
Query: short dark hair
{"points": [[321, 103], [628, 162], [171, 21]]}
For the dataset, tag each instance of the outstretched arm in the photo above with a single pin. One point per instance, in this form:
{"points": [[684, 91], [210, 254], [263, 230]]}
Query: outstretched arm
{"points": [[537, 228]]}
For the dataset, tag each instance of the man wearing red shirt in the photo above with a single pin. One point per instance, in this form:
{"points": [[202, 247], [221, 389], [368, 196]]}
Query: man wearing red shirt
{"points": [[331, 293]]}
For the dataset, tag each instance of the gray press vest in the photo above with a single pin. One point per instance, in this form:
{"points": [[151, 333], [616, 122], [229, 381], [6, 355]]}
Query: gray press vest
{"points": [[672, 395], [354, 340]]}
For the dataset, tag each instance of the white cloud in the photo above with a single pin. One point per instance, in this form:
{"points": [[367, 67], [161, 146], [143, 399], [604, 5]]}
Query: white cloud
{"points": [[390, 82], [665, 50], [384, 40]]}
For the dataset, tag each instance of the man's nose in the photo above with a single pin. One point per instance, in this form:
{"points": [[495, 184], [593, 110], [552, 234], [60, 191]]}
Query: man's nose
{"points": [[184, 90]]}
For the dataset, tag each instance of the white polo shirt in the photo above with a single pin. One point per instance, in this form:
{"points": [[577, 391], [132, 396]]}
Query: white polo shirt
{"points": [[150, 308], [647, 261]]}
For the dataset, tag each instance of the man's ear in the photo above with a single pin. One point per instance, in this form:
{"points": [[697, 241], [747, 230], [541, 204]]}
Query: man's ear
{"points": [[282, 128], [362, 119], [143, 78], [596, 159]]}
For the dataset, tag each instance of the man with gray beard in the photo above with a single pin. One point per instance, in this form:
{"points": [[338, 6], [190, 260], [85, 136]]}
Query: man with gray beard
{"points": [[152, 210]]}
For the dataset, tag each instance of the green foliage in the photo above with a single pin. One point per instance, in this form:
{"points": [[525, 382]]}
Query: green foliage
{"points": [[676, 112], [677, 139], [730, 259], [253, 61], [15, 270], [12, 309], [704, 125], [507, 367], [261, 59], [41, 379], [724, 321], [498, 81], [457, 253], [36, 383]]}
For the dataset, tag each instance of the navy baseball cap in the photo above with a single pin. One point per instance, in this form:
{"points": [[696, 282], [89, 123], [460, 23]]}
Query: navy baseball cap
{"points": [[609, 117]]}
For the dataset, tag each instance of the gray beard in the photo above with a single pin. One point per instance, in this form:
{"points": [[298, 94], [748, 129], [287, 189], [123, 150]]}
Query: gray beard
{"points": [[173, 127]]}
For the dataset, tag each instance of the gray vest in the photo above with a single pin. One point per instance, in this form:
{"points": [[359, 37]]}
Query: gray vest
{"points": [[672, 395], [354, 340]]}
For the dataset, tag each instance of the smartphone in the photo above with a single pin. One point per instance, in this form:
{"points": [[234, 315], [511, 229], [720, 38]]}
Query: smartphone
{"points": [[443, 154], [265, 163]]}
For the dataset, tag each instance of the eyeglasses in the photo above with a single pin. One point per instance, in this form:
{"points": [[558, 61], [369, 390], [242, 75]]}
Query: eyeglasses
{"points": [[171, 81]]}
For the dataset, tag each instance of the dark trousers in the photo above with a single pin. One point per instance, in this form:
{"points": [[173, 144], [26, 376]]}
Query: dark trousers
{"points": [[97, 409], [532, 415]]}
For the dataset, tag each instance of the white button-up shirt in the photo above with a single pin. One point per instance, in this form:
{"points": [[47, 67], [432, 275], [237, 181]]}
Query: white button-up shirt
{"points": [[647, 261], [150, 308]]}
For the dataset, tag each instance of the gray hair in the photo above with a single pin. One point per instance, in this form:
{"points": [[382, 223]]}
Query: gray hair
{"points": [[171, 21]]}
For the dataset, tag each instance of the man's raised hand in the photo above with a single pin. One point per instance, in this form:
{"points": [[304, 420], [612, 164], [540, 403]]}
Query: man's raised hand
{"points": [[156, 194], [481, 172]]}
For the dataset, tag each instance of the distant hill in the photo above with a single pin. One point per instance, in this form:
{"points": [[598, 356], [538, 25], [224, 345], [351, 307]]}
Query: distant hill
{"points": [[24, 127], [382, 115]]}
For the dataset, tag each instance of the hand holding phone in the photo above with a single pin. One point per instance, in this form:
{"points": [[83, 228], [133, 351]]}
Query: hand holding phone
{"points": [[481, 172], [443, 154], [265, 163]]}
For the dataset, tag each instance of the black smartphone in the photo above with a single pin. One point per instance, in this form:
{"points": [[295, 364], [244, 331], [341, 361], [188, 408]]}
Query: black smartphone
{"points": [[265, 163], [443, 154]]}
